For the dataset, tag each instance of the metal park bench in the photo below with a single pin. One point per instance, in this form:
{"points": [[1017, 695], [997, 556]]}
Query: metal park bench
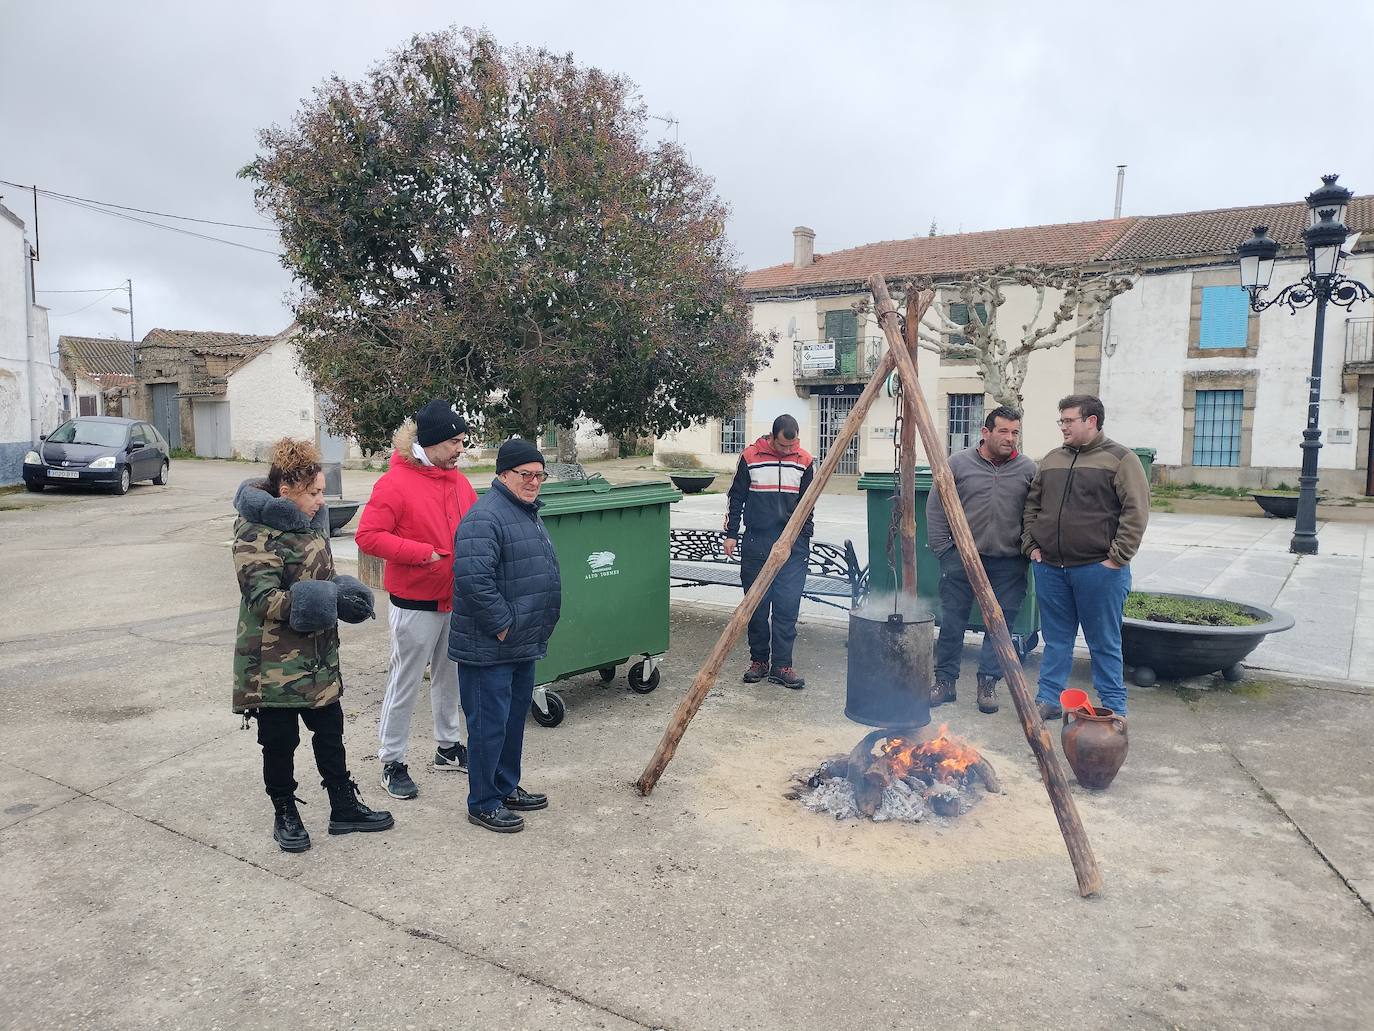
{"points": [[697, 558]]}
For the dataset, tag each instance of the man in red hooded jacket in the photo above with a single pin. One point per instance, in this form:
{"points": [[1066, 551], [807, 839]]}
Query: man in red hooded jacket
{"points": [[409, 522]]}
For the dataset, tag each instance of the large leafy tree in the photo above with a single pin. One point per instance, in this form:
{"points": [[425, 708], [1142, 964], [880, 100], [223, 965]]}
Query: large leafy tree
{"points": [[489, 224]]}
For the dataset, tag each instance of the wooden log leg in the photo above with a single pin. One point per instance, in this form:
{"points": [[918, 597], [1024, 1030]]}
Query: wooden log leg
{"points": [[1056, 784], [710, 669]]}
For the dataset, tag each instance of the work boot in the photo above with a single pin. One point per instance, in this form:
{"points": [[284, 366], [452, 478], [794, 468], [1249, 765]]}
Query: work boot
{"points": [[287, 830], [756, 672], [787, 677], [1049, 710], [987, 694], [942, 691], [501, 820], [348, 814]]}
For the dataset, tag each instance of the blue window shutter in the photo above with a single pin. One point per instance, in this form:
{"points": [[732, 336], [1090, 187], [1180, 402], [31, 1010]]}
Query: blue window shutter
{"points": [[1225, 317]]}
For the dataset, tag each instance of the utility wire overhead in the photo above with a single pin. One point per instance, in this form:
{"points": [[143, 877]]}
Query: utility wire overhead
{"points": [[92, 290], [170, 229], [74, 311], [142, 211]]}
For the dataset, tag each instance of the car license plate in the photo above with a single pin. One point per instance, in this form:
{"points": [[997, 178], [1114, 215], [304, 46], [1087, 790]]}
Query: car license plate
{"points": [[64, 474]]}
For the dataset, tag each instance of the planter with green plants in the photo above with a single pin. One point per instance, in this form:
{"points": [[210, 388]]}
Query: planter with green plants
{"points": [[1176, 636]]}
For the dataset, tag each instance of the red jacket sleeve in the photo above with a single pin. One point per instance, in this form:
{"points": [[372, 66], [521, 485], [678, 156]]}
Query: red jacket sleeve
{"points": [[377, 535]]}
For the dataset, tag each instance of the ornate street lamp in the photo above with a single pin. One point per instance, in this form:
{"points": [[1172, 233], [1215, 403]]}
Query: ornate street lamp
{"points": [[1325, 239]]}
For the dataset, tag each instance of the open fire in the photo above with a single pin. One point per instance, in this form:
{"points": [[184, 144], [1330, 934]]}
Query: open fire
{"points": [[906, 778]]}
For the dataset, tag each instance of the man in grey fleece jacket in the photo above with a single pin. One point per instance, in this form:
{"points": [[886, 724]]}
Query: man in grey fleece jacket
{"points": [[992, 479]]}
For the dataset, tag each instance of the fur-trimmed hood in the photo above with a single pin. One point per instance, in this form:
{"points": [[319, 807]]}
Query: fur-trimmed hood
{"points": [[257, 504], [403, 444]]}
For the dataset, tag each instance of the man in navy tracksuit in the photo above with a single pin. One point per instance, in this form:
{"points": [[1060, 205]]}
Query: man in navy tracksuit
{"points": [[771, 477]]}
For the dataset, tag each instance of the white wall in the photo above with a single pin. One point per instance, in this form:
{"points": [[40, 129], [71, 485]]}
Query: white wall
{"points": [[1049, 377], [26, 369], [1143, 380], [269, 398]]}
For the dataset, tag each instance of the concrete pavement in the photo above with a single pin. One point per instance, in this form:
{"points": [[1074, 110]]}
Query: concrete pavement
{"points": [[139, 886]]}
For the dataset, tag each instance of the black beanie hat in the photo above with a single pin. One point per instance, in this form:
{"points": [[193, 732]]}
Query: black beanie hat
{"points": [[516, 452], [437, 422]]}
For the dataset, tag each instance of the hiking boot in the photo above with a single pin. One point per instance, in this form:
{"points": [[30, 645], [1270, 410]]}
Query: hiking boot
{"points": [[287, 830], [756, 672], [987, 694], [348, 814], [522, 801], [454, 757], [942, 691], [396, 780], [1049, 710], [787, 677], [500, 820]]}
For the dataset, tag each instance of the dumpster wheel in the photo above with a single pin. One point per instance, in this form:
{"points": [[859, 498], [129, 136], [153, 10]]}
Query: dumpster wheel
{"points": [[636, 677], [607, 674], [557, 710]]}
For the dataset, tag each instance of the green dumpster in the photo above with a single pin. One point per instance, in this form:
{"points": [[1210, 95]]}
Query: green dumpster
{"points": [[883, 578], [1147, 460], [612, 544]]}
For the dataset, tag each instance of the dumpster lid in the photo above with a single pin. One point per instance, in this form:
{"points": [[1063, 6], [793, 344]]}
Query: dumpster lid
{"points": [[595, 494], [888, 481]]}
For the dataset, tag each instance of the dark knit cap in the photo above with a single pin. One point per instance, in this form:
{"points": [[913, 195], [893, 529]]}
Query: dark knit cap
{"points": [[515, 452], [437, 422]]}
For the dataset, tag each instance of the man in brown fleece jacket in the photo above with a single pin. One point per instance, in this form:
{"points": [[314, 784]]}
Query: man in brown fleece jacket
{"points": [[1085, 516]]}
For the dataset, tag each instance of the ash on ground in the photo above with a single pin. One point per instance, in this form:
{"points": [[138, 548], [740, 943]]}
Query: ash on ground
{"points": [[907, 800]]}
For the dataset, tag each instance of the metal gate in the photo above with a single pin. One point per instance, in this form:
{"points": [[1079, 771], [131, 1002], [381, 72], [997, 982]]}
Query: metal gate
{"points": [[166, 412], [211, 422], [834, 410]]}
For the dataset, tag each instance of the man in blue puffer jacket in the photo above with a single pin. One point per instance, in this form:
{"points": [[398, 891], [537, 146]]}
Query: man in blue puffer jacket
{"points": [[506, 599]]}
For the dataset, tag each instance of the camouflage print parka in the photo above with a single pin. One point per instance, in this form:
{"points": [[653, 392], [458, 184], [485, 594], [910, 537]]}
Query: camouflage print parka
{"points": [[274, 547]]}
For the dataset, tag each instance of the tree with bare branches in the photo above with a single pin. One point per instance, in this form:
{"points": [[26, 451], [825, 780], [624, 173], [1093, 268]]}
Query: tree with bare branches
{"points": [[1084, 297]]}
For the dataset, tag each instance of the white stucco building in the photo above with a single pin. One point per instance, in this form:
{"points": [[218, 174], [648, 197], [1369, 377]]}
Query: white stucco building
{"points": [[1219, 391], [810, 301], [32, 389], [267, 396]]}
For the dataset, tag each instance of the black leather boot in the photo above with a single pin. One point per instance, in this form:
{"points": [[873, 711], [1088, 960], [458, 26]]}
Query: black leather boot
{"points": [[348, 814], [287, 830]]}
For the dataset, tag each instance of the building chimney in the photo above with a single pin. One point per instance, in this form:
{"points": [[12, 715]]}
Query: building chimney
{"points": [[803, 241], [1120, 188]]}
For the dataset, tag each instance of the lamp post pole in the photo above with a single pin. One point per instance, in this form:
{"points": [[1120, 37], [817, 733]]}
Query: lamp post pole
{"points": [[1326, 240]]}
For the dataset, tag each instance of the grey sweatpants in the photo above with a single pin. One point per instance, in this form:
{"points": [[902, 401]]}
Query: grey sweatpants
{"points": [[418, 639]]}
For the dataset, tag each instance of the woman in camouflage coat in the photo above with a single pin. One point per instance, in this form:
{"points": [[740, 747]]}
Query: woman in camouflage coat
{"points": [[286, 655]]}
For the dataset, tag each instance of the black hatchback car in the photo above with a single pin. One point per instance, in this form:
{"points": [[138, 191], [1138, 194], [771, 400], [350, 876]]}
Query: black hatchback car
{"points": [[98, 451]]}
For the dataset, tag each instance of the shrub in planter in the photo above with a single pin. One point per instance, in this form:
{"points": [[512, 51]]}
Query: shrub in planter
{"points": [[1176, 636]]}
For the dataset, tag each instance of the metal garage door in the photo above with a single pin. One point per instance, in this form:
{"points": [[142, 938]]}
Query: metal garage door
{"points": [[211, 420], [166, 415]]}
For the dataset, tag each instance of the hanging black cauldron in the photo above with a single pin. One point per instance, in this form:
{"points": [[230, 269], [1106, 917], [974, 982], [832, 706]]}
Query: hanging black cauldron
{"points": [[891, 665]]}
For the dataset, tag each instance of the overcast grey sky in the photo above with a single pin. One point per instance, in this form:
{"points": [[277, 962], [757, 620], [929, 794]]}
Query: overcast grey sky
{"points": [[864, 120]]}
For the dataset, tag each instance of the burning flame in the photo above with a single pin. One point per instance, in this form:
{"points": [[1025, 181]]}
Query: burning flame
{"points": [[945, 756]]}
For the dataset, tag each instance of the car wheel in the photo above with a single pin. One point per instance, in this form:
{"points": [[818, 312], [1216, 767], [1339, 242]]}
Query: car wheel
{"points": [[161, 478], [122, 487]]}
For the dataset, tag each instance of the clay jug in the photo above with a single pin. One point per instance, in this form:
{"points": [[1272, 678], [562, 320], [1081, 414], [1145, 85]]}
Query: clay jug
{"points": [[1094, 745]]}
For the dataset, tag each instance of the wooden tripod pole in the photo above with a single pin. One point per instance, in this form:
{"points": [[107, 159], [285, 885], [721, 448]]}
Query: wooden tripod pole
{"points": [[710, 669], [916, 306], [914, 404]]}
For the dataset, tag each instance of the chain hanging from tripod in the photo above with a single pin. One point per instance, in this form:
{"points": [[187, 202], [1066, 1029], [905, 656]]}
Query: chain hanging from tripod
{"points": [[894, 523]]}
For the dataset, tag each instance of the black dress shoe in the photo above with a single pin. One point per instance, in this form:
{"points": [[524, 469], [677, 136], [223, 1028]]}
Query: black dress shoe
{"points": [[523, 801], [502, 820]]}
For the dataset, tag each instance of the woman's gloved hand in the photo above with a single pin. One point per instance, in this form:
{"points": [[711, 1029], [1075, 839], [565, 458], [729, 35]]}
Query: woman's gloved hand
{"points": [[355, 602]]}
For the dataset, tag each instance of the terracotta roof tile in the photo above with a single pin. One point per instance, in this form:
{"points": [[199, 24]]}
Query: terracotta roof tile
{"points": [[1198, 233], [1075, 243], [95, 357], [206, 342]]}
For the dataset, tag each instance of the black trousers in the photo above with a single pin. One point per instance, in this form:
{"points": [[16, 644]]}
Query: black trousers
{"points": [[279, 734], [780, 605]]}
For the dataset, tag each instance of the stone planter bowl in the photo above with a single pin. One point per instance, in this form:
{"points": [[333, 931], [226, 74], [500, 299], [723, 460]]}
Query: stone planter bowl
{"points": [[692, 483], [1175, 651], [341, 513], [1277, 506]]}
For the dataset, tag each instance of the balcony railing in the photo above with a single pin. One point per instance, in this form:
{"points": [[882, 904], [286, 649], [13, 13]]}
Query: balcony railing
{"points": [[1359, 341], [826, 361]]}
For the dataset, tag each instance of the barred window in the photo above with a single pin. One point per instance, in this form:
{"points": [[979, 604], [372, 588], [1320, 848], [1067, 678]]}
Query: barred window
{"points": [[732, 434], [1216, 427], [965, 417]]}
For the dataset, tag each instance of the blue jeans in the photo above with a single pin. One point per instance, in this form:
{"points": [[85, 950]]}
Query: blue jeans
{"points": [[1008, 578], [496, 700], [1092, 597]]}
